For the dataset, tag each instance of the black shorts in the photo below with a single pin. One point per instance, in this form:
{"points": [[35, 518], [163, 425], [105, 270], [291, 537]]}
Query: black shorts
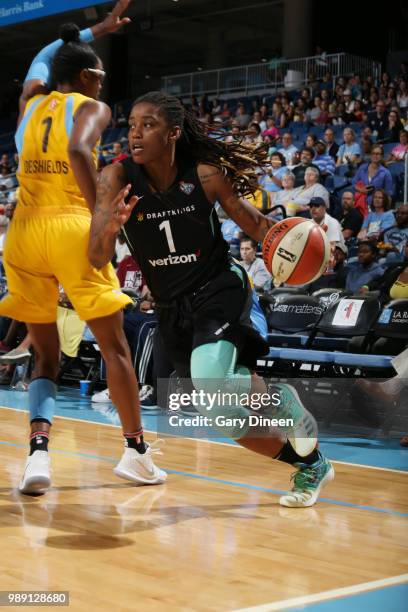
{"points": [[219, 310]]}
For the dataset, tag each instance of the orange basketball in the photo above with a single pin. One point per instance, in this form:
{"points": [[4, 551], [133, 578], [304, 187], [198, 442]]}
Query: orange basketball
{"points": [[296, 251]]}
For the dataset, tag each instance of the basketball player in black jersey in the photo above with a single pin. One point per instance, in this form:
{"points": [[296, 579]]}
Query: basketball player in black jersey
{"points": [[164, 196]]}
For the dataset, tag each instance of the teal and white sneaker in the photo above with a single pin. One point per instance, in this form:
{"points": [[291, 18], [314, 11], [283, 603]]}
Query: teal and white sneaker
{"points": [[307, 482], [303, 433]]}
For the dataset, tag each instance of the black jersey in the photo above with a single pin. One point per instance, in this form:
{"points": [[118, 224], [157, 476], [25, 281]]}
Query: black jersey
{"points": [[175, 236]]}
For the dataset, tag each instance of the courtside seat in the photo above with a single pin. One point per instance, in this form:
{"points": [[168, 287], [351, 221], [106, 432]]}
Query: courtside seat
{"points": [[329, 296], [393, 320]]}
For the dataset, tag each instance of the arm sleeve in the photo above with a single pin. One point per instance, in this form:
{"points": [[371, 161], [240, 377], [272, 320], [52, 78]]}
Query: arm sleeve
{"points": [[40, 68], [388, 185]]}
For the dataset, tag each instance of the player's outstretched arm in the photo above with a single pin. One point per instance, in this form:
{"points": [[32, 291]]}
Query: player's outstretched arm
{"points": [[91, 119], [110, 214], [38, 79], [219, 188]]}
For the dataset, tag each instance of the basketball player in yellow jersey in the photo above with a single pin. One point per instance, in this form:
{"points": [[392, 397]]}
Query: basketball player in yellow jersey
{"points": [[48, 242]]}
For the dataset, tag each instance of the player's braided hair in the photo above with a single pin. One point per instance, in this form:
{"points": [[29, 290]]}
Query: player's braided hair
{"points": [[237, 160], [72, 57]]}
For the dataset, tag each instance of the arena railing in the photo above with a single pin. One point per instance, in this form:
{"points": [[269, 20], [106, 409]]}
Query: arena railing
{"points": [[273, 75]]}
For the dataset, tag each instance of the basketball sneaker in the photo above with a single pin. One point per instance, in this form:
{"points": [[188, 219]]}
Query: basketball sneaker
{"points": [[36, 479], [139, 468], [303, 433], [307, 482]]}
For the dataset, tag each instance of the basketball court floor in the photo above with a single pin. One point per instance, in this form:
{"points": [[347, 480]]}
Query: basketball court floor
{"points": [[213, 538]]}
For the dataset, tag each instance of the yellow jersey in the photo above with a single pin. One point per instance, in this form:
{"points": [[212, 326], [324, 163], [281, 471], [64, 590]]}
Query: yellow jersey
{"points": [[44, 173]]}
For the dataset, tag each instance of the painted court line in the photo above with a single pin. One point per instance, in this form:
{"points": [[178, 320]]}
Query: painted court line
{"points": [[360, 465], [294, 602], [230, 483]]}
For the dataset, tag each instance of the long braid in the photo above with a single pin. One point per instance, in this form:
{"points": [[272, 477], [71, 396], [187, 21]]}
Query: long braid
{"points": [[237, 160]]}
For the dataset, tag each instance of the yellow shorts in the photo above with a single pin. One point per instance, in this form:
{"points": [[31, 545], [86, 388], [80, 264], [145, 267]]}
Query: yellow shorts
{"points": [[70, 331], [43, 251]]}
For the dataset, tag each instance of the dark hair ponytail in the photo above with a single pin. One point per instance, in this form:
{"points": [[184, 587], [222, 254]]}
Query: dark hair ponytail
{"points": [[238, 161], [72, 57]]}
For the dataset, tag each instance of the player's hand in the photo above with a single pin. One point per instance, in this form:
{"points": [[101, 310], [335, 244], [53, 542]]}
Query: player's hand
{"points": [[113, 20], [121, 210]]}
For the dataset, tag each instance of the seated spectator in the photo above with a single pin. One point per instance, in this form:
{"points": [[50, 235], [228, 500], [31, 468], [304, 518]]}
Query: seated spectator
{"points": [[310, 141], [271, 129], [285, 196], [260, 198], [4, 163], [366, 270], [399, 152], [278, 115], [331, 145], [253, 134], [117, 152], [395, 239], [287, 149], [358, 113], [348, 105], [231, 232], [311, 189], [323, 117], [351, 220], [241, 116], [393, 129], [373, 175], [338, 114], [336, 277], [272, 180], [349, 151], [225, 112], [120, 117], [315, 111], [319, 214], [377, 120], [14, 164], [402, 98], [6, 181], [306, 161], [323, 161], [394, 282], [254, 265], [234, 135], [379, 219], [366, 148]]}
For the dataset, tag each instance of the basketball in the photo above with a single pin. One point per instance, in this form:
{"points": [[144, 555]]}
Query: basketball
{"points": [[296, 251]]}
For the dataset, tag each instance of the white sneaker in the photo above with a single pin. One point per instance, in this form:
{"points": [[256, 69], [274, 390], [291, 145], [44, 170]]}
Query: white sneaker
{"points": [[102, 396], [36, 479], [140, 468]]}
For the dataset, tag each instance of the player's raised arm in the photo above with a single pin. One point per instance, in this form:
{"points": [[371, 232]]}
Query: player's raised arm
{"points": [[219, 188], [38, 79], [110, 214]]}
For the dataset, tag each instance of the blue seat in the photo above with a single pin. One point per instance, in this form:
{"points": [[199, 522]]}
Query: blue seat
{"points": [[362, 360], [300, 355]]}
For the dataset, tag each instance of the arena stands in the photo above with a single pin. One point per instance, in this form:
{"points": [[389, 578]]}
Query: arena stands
{"points": [[353, 132]]}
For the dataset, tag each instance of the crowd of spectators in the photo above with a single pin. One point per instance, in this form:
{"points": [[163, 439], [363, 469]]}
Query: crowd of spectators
{"points": [[354, 129]]}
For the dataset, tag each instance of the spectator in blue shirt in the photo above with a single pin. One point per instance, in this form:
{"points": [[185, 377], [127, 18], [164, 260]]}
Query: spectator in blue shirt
{"points": [[349, 151], [373, 175], [272, 180], [379, 219], [287, 149], [396, 237], [323, 161], [366, 270]]}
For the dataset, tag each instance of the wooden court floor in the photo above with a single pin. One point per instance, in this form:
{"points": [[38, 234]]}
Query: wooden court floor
{"points": [[213, 538]]}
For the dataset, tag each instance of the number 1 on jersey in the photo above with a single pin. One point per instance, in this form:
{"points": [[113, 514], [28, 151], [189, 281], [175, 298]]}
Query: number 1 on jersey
{"points": [[166, 226], [48, 123]]}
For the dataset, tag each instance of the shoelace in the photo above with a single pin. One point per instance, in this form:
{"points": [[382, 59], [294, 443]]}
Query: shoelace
{"points": [[154, 446], [305, 479]]}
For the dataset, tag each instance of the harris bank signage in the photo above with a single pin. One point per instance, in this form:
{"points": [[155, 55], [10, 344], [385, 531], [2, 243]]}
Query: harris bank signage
{"points": [[16, 11]]}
